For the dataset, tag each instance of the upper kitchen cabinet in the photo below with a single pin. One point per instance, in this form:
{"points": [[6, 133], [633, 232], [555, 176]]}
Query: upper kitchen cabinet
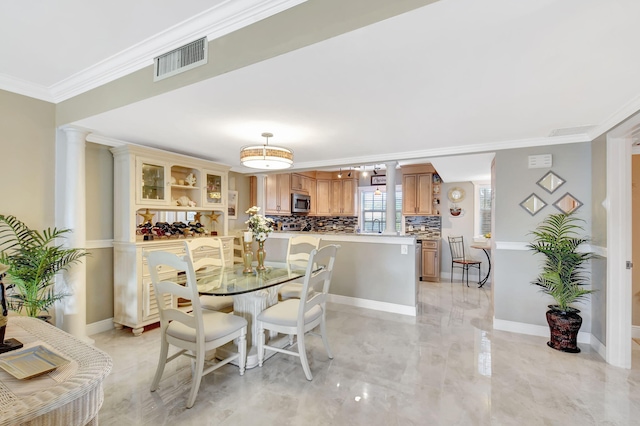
{"points": [[305, 182], [417, 191], [336, 196], [323, 204], [277, 190]]}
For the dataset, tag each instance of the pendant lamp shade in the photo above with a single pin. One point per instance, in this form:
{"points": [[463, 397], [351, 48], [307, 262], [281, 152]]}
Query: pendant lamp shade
{"points": [[266, 157]]}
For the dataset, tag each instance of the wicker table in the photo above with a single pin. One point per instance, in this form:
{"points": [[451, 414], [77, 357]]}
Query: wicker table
{"points": [[70, 395]]}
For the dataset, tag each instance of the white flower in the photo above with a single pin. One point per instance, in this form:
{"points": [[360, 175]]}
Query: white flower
{"points": [[259, 225], [253, 210]]}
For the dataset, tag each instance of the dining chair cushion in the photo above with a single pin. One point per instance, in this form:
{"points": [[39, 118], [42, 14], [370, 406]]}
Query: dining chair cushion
{"points": [[216, 325], [216, 303], [286, 313]]}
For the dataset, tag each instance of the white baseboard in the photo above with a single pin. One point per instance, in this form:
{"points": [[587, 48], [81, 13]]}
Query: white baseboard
{"points": [[533, 330], [100, 326], [373, 304], [635, 332], [599, 347]]}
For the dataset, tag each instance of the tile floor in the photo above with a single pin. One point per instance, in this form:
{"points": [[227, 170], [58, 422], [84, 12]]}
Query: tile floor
{"points": [[444, 367]]}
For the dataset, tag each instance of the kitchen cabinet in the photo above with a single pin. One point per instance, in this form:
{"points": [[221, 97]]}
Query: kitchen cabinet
{"points": [[343, 197], [417, 194], [430, 260], [306, 185], [278, 194], [323, 204]]}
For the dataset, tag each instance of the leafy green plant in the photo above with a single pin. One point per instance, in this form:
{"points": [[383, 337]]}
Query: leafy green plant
{"points": [[33, 259], [563, 275]]}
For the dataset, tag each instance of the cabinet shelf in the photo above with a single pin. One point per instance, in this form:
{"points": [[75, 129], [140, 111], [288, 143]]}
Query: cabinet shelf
{"points": [[185, 186]]}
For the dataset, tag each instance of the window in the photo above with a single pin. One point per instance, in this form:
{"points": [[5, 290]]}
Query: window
{"points": [[373, 209], [482, 214]]}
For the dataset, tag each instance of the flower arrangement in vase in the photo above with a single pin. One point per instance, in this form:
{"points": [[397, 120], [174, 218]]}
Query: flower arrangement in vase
{"points": [[261, 227]]}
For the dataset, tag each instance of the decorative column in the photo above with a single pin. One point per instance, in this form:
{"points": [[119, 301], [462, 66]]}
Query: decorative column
{"points": [[390, 229], [71, 312]]}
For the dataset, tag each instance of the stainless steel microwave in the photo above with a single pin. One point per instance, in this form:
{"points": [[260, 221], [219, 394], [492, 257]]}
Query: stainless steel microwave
{"points": [[300, 203]]}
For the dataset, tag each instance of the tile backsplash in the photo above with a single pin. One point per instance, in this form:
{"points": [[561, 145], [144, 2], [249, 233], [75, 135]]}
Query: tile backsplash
{"points": [[339, 224], [423, 226]]}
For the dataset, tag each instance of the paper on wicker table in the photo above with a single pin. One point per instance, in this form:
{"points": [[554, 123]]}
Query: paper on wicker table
{"points": [[74, 401]]}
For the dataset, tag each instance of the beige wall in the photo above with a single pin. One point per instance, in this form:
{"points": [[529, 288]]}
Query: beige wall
{"points": [[300, 26], [27, 138]]}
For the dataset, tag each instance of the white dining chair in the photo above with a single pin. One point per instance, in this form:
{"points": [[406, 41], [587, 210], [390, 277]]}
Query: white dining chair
{"points": [[212, 303], [194, 332], [298, 251], [298, 317]]}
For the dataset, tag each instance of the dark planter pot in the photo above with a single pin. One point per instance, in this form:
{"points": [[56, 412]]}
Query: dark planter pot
{"points": [[564, 327]]}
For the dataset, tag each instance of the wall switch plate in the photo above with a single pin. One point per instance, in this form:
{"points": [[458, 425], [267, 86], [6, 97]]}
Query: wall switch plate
{"points": [[404, 249]]}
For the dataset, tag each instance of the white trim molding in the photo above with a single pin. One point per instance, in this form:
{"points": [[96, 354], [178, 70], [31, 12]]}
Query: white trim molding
{"points": [[373, 304], [98, 244], [533, 330], [100, 326], [222, 19]]}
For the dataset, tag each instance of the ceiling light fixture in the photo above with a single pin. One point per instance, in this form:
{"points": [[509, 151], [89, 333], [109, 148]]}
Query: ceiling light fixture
{"points": [[349, 175], [268, 157], [377, 192], [365, 173], [340, 174]]}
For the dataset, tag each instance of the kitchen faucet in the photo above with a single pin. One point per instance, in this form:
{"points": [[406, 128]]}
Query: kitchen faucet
{"points": [[379, 225]]}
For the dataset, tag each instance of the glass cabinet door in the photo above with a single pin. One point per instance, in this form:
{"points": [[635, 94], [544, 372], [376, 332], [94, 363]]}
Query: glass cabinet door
{"points": [[214, 189], [153, 182]]}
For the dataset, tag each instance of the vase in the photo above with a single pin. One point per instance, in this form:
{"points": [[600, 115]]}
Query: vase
{"points": [[261, 253], [247, 258], [564, 327]]}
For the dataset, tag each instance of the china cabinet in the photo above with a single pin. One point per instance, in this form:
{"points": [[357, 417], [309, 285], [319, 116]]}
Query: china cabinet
{"points": [[154, 186]]}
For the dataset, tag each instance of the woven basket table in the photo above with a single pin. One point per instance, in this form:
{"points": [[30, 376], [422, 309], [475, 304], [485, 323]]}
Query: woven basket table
{"points": [[70, 395]]}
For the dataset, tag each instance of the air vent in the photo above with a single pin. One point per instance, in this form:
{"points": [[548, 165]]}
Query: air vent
{"points": [[181, 59], [569, 131]]}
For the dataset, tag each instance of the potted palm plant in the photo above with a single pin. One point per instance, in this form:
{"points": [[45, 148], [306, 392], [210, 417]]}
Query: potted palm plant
{"points": [[563, 276], [33, 259]]}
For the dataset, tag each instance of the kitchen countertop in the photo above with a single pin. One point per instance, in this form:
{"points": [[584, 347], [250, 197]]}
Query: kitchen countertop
{"points": [[363, 238]]}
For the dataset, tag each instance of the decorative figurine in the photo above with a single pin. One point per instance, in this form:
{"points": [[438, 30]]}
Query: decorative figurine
{"points": [[190, 179], [9, 344], [147, 216]]}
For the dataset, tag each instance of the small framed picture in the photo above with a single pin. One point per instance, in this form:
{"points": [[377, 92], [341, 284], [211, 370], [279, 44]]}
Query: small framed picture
{"points": [[378, 180], [232, 207]]}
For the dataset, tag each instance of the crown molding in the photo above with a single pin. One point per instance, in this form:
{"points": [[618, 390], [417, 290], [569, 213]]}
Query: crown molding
{"points": [[623, 113], [440, 152], [212, 23], [25, 88]]}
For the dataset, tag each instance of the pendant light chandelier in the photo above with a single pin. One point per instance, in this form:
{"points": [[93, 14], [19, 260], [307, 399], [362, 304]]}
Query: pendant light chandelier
{"points": [[266, 157]]}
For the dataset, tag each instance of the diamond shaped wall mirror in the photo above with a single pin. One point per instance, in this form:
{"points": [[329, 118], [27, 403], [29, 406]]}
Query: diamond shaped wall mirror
{"points": [[550, 182], [567, 203], [533, 204]]}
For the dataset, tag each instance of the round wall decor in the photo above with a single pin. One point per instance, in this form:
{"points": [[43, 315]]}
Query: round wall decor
{"points": [[456, 194]]}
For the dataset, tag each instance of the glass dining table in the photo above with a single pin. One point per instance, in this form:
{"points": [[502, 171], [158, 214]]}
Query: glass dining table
{"points": [[252, 293]]}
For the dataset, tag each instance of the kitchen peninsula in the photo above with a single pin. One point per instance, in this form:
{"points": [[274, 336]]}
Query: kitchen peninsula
{"points": [[371, 271]]}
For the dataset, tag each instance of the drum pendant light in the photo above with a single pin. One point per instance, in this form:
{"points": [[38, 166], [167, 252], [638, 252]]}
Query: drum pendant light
{"points": [[266, 157]]}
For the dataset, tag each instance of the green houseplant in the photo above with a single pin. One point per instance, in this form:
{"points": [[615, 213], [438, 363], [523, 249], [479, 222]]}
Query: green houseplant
{"points": [[33, 259], [563, 276]]}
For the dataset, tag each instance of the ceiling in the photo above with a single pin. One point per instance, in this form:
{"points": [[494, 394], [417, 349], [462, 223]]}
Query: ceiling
{"points": [[456, 77]]}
